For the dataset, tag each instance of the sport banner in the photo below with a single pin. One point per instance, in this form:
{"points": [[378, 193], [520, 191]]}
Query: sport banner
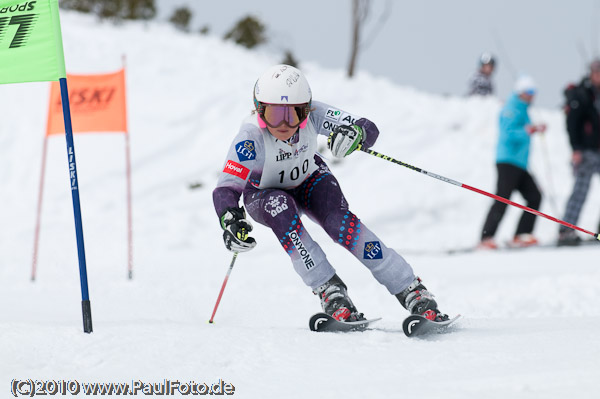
{"points": [[31, 48], [98, 104]]}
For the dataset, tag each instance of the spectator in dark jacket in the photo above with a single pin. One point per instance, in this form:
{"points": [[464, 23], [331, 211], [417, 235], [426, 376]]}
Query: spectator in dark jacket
{"points": [[583, 125], [481, 82]]}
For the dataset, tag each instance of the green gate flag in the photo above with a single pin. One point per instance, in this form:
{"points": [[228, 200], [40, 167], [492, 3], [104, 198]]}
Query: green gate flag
{"points": [[31, 47]]}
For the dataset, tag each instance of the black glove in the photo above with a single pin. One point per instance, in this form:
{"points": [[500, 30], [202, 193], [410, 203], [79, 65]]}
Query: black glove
{"points": [[236, 227]]}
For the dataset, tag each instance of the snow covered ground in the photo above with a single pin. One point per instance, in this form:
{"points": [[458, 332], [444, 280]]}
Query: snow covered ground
{"points": [[531, 320]]}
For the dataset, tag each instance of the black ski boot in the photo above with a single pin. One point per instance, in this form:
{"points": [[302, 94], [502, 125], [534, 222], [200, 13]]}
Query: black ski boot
{"points": [[568, 238], [417, 300], [336, 302]]}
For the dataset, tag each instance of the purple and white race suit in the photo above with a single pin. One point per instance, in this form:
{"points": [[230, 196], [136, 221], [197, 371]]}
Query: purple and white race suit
{"points": [[283, 180]]}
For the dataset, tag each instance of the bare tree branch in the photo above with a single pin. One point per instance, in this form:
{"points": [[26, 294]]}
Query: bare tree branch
{"points": [[383, 17], [360, 14], [360, 11]]}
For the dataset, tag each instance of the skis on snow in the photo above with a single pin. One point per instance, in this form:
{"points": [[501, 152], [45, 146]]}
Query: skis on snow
{"points": [[416, 325], [502, 248], [412, 326], [322, 322]]}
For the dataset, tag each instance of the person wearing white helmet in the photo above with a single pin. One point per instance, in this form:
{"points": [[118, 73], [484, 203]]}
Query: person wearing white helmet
{"points": [[481, 81], [273, 164], [512, 155]]}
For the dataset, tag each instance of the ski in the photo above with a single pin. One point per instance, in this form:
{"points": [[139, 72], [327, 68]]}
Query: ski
{"points": [[417, 325], [502, 248], [322, 322], [510, 248], [584, 242]]}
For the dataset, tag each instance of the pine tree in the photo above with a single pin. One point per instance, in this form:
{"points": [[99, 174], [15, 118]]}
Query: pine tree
{"points": [[181, 18], [113, 9], [248, 32]]}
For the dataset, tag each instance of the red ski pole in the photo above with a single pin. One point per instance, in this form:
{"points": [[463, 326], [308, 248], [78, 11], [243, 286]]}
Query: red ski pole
{"points": [[235, 254], [459, 184]]}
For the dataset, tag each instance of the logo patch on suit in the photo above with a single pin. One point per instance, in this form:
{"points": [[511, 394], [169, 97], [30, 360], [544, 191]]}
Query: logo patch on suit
{"points": [[348, 119], [245, 150], [372, 250], [234, 168], [333, 114], [283, 155], [309, 263], [276, 205]]}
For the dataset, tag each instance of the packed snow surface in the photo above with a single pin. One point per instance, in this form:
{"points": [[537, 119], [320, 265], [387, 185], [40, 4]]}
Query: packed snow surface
{"points": [[530, 326]]}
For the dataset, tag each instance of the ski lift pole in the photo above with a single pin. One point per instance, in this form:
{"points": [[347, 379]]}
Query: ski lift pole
{"points": [[235, 254], [509, 64], [459, 184]]}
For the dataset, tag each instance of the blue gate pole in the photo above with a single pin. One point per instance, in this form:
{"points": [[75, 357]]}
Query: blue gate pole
{"points": [[85, 297]]}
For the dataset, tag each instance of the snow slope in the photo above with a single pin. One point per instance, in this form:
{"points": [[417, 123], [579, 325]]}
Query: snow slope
{"points": [[530, 326]]}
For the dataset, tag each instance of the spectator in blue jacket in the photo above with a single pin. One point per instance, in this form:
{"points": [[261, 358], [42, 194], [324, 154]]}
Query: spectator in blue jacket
{"points": [[511, 162]]}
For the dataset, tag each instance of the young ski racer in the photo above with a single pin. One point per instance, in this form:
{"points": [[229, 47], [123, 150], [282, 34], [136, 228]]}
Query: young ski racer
{"points": [[273, 164]]}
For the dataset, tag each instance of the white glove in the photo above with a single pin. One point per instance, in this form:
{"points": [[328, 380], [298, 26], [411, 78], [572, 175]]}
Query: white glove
{"points": [[344, 140]]}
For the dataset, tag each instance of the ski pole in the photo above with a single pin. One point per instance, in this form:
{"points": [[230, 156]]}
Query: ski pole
{"points": [[235, 254], [459, 184], [548, 173]]}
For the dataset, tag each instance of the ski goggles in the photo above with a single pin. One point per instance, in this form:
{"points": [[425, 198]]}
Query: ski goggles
{"points": [[275, 115]]}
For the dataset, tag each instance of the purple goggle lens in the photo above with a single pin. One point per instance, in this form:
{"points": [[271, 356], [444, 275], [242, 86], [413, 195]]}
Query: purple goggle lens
{"points": [[292, 115]]}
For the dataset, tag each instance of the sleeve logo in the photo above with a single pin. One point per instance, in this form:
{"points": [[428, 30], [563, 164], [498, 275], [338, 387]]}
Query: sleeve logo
{"points": [[328, 125], [333, 114], [335, 118], [234, 168], [245, 150], [348, 119], [372, 250]]}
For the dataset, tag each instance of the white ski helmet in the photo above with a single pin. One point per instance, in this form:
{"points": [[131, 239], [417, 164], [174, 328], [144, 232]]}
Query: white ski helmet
{"points": [[487, 58], [525, 84], [285, 85]]}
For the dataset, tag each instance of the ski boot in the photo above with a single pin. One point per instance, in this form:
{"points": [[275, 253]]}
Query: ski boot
{"points": [[336, 302], [417, 300], [487, 243], [568, 238], [523, 241]]}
